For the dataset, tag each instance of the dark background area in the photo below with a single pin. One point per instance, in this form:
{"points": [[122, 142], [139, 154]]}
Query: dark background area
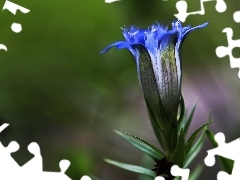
{"points": [[57, 90]]}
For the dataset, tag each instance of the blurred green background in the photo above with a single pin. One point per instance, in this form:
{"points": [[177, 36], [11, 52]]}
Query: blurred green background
{"points": [[57, 90]]}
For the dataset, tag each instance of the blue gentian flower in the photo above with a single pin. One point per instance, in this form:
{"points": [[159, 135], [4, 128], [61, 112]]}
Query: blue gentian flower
{"points": [[156, 52]]}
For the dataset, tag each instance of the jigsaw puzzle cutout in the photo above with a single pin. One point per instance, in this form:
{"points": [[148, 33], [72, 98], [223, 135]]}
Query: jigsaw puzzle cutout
{"points": [[12, 7], [228, 150], [111, 1], [236, 16], [33, 169], [176, 171], [222, 51], [159, 178], [85, 178], [15, 27], [182, 7]]}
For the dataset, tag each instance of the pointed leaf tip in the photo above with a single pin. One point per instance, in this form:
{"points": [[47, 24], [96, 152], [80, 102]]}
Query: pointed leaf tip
{"points": [[142, 145], [179, 154], [133, 168]]}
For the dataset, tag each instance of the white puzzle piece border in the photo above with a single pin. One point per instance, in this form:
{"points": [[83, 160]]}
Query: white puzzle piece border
{"points": [[182, 7], [177, 171], [33, 169], [228, 150], [222, 51], [13, 8]]}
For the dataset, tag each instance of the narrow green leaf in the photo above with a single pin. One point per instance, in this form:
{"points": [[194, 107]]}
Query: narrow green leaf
{"points": [[133, 168], [142, 145], [193, 137], [226, 164], [159, 130], [171, 134], [189, 120], [196, 172], [146, 162], [93, 177], [182, 123], [210, 136], [182, 109], [195, 149], [178, 154], [160, 153]]}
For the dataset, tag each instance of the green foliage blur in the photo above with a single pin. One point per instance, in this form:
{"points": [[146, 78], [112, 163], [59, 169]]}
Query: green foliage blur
{"points": [[57, 90]]}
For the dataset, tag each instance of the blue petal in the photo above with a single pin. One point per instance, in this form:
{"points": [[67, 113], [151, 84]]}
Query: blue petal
{"points": [[140, 36], [186, 31], [182, 36], [133, 35], [194, 28], [119, 45], [122, 45]]}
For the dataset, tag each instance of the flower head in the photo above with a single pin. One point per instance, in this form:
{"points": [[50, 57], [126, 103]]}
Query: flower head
{"points": [[156, 52]]}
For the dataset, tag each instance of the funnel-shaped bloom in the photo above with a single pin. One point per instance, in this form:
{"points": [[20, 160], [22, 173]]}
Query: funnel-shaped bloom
{"points": [[157, 56]]}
